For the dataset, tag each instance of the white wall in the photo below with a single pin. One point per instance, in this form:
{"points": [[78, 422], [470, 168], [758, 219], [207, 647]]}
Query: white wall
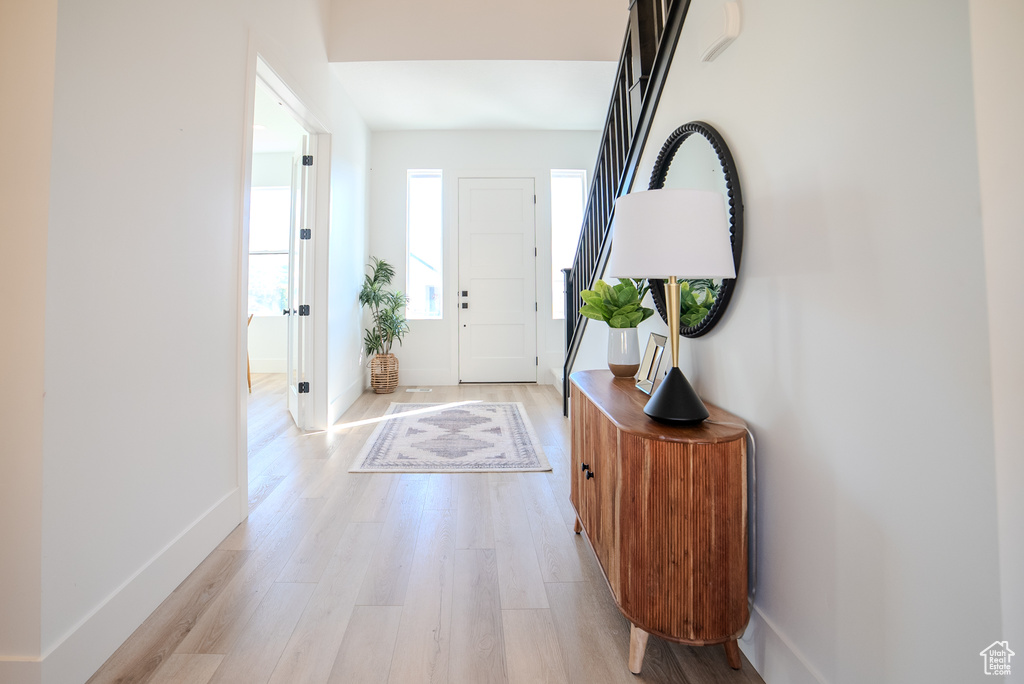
{"points": [[997, 49], [140, 430], [28, 37], [429, 354], [348, 251], [271, 169], [466, 29], [857, 344], [268, 344]]}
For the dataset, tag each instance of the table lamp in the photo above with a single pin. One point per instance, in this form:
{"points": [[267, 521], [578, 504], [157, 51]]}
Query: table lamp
{"points": [[671, 234]]}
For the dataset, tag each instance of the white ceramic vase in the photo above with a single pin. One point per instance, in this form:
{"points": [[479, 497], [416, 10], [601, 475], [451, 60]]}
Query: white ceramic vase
{"points": [[623, 352]]}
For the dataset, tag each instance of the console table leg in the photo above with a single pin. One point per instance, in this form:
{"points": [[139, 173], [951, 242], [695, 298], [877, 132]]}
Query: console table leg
{"points": [[637, 647], [732, 652], [577, 527]]}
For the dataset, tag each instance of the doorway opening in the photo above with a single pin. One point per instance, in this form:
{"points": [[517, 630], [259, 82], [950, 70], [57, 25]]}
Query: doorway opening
{"points": [[283, 325], [279, 258]]}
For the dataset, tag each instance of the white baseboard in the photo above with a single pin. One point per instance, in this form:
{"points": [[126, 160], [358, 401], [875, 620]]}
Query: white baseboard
{"points": [[268, 365], [425, 376], [76, 656], [348, 396], [20, 671], [774, 656]]}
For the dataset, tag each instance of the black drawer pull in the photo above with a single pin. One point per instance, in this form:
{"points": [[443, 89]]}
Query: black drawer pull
{"points": [[590, 474], [584, 467]]}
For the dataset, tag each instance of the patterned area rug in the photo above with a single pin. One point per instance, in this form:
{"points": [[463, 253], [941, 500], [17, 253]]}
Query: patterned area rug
{"points": [[467, 438]]}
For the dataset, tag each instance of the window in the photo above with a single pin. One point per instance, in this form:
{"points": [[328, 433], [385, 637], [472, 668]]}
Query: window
{"points": [[568, 195], [424, 238], [270, 210]]}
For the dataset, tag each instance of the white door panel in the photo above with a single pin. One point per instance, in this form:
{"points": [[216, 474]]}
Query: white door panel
{"points": [[300, 267], [497, 273]]}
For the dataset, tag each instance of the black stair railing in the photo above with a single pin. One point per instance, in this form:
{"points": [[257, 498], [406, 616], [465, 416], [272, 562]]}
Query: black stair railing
{"points": [[654, 27]]}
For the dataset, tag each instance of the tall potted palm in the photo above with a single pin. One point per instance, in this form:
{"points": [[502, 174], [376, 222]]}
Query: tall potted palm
{"points": [[389, 325]]}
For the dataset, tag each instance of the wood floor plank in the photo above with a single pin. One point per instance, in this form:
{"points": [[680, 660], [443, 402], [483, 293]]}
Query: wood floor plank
{"points": [[302, 498], [661, 664], [708, 665], [385, 583], [474, 529], [425, 627], [372, 505], [368, 647], [558, 481], [187, 668], [308, 561], [593, 636], [154, 641], [531, 648], [518, 568], [553, 541], [441, 492], [310, 652], [259, 646], [222, 623], [252, 531], [260, 489], [478, 645]]}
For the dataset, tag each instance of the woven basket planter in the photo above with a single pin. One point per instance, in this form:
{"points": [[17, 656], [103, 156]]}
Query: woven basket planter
{"points": [[384, 373]]}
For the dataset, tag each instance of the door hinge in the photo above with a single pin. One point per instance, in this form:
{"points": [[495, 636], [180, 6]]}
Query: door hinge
{"points": [[535, 307], [535, 199], [303, 388], [534, 251], [536, 360], [303, 309], [307, 160], [305, 233]]}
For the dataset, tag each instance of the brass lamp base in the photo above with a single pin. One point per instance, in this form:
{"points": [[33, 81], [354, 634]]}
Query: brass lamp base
{"points": [[674, 401]]}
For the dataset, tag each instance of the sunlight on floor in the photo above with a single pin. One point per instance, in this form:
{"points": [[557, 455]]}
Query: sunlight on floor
{"points": [[429, 409]]}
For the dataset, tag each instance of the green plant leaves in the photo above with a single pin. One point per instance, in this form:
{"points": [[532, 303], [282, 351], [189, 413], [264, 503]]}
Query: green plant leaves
{"points": [[590, 311], [619, 306], [696, 298], [389, 323], [605, 291], [593, 299]]}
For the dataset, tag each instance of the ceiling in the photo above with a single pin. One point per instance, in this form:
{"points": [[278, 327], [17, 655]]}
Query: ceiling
{"points": [[362, 31], [479, 94]]}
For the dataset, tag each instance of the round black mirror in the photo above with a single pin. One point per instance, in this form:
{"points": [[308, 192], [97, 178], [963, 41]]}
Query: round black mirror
{"points": [[703, 163]]}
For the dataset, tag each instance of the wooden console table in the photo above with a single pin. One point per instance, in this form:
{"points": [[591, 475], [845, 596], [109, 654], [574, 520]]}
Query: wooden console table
{"points": [[665, 509]]}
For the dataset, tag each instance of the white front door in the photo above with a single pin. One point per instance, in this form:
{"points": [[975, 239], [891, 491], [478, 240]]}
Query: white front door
{"points": [[497, 280], [300, 263]]}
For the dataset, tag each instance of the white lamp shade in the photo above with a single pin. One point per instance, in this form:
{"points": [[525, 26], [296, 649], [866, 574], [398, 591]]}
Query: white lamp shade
{"points": [[674, 232]]}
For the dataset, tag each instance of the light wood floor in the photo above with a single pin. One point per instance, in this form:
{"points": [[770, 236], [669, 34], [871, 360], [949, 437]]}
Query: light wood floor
{"points": [[402, 578]]}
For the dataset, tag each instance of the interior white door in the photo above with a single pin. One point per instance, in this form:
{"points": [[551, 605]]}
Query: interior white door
{"points": [[300, 262], [497, 280]]}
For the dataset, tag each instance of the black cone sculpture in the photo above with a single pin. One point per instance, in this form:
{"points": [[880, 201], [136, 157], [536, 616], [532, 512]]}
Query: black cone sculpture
{"points": [[675, 402]]}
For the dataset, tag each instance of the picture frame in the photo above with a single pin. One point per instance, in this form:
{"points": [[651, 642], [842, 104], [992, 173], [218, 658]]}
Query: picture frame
{"points": [[650, 365]]}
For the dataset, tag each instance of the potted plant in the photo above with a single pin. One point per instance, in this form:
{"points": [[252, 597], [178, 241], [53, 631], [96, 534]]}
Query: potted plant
{"points": [[389, 325], [619, 306]]}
